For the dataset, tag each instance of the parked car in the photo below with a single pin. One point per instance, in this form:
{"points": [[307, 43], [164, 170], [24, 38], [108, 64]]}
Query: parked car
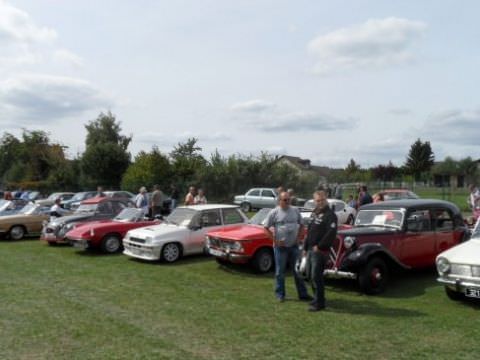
{"points": [[50, 200], [74, 202], [28, 221], [345, 213], [398, 194], [459, 268], [11, 207], [120, 194], [246, 243], [181, 233], [108, 234], [97, 208], [257, 198], [393, 235]]}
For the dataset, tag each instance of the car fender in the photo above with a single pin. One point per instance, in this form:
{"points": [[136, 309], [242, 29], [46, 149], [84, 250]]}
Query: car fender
{"points": [[360, 256]]}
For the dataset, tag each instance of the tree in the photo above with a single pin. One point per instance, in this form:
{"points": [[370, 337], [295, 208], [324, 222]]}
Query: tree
{"points": [[420, 158], [148, 169], [105, 158], [385, 172], [187, 160]]}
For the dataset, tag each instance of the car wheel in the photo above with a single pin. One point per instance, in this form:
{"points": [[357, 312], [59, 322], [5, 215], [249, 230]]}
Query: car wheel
{"points": [[263, 261], [453, 295], [246, 207], [171, 252], [17, 232], [350, 220], [373, 277], [111, 244]]}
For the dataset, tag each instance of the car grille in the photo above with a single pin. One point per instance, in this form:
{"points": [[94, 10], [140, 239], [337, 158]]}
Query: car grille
{"points": [[465, 270], [137, 240], [220, 243]]}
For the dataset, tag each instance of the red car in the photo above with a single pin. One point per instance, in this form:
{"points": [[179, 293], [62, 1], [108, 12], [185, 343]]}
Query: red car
{"points": [[394, 235], [108, 234], [398, 194], [246, 243]]}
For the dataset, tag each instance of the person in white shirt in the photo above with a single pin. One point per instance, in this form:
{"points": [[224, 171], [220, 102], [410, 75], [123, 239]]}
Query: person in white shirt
{"points": [[56, 209]]}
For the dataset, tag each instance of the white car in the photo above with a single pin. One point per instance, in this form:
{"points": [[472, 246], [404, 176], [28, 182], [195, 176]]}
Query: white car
{"points": [[459, 268], [182, 232], [345, 214]]}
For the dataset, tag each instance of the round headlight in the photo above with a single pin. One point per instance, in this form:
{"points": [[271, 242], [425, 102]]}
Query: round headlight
{"points": [[348, 242], [237, 246], [443, 265]]}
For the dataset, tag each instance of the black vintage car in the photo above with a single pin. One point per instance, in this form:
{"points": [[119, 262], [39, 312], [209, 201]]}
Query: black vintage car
{"points": [[392, 235], [97, 208]]}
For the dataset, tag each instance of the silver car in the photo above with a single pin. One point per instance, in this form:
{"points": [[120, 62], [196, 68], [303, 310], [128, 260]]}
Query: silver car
{"points": [[257, 198]]}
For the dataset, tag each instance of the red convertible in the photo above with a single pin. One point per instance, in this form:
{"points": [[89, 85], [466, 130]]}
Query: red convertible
{"points": [[108, 234]]}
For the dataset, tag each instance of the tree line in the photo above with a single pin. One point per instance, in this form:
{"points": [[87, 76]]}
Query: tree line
{"points": [[34, 161]]}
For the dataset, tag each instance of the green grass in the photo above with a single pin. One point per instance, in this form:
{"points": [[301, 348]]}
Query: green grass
{"points": [[58, 303]]}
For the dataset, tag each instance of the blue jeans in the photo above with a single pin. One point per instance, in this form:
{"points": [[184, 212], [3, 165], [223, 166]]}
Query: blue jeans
{"points": [[317, 262], [287, 255]]}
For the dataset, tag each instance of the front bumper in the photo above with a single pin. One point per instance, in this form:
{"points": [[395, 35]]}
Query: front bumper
{"points": [[229, 256], [52, 238], [79, 243], [338, 274], [459, 285], [141, 251]]}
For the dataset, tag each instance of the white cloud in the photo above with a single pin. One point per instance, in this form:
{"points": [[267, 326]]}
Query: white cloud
{"points": [[64, 56], [401, 112], [30, 99], [253, 106], [377, 42], [17, 26], [167, 140]]}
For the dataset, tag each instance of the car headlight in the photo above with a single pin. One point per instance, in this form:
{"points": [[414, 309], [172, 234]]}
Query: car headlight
{"points": [[44, 223], [236, 246], [443, 265], [92, 232], [207, 241], [348, 242]]}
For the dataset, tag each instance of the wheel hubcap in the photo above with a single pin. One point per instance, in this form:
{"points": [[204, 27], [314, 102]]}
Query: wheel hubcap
{"points": [[170, 252], [17, 233], [112, 244], [265, 262], [376, 276]]}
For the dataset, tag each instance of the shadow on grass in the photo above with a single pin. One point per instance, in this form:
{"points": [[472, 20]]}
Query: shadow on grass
{"points": [[245, 270], [187, 260], [365, 307]]}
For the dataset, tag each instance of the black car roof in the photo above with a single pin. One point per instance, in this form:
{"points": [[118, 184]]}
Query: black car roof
{"points": [[411, 204]]}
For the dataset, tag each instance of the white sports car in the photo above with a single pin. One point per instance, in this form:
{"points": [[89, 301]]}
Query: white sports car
{"points": [[345, 214]]}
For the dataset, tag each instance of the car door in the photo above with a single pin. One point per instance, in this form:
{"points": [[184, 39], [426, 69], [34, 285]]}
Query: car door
{"points": [[267, 198], [418, 243], [203, 222], [253, 197], [444, 229]]}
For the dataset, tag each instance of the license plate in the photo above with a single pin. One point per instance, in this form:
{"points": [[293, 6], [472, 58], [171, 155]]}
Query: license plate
{"points": [[216, 252], [79, 244], [474, 293]]}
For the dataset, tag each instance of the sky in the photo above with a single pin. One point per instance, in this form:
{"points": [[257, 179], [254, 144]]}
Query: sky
{"points": [[322, 80]]}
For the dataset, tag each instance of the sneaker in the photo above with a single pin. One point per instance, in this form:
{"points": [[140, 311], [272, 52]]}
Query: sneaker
{"points": [[305, 298]]}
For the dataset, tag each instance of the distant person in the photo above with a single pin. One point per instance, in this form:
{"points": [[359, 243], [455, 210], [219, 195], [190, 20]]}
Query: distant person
{"points": [[293, 198], [174, 197], [364, 197], [141, 200], [377, 197], [474, 197], [8, 195], [190, 197], [24, 196], [100, 192], [156, 203], [200, 198], [351, 201], [56, 210]]}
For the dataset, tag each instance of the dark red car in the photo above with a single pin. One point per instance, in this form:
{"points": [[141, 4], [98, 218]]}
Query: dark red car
{"points": [[247, 243], [108, 234], [393, 235]]}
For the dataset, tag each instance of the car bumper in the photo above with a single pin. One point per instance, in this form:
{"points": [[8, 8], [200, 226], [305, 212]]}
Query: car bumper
{"points": [[338, 274], [141, 251], [228, 256], [79, 243], [52, 238], [460, 285]]}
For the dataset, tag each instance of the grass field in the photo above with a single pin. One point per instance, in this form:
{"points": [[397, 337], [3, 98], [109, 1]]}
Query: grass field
{"points": [[59, 303]]}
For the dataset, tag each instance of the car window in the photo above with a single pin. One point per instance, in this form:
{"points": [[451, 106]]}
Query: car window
{"points": [[339, 206], [419, 221], [105, 208], [210, 218], [118, 206], [255, 192], [231, 216], [443, 220], [268, 193]]}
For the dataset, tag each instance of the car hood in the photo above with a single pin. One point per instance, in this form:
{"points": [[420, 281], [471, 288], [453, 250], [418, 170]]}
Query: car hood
{"points": [[465, 253], [70, 218], [367, 230], [158, 231], [13, 217], [241, 232]]}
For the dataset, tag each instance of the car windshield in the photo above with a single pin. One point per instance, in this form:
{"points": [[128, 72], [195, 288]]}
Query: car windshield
{"points": [[130, 215], [381, 217], [86, 208], [259, 217], [53, 196], [28, 209], [4, 204], [33, 194], [181, 216]]}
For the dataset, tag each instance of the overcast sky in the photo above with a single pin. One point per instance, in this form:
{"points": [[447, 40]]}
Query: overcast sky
{"points": [[323, 80]]}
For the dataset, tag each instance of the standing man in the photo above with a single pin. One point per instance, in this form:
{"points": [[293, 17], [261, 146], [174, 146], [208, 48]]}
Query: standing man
{"points": [[190, 197], [364, 197], [286, 223], [141, 200], [156, 203], [322, 231]]}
